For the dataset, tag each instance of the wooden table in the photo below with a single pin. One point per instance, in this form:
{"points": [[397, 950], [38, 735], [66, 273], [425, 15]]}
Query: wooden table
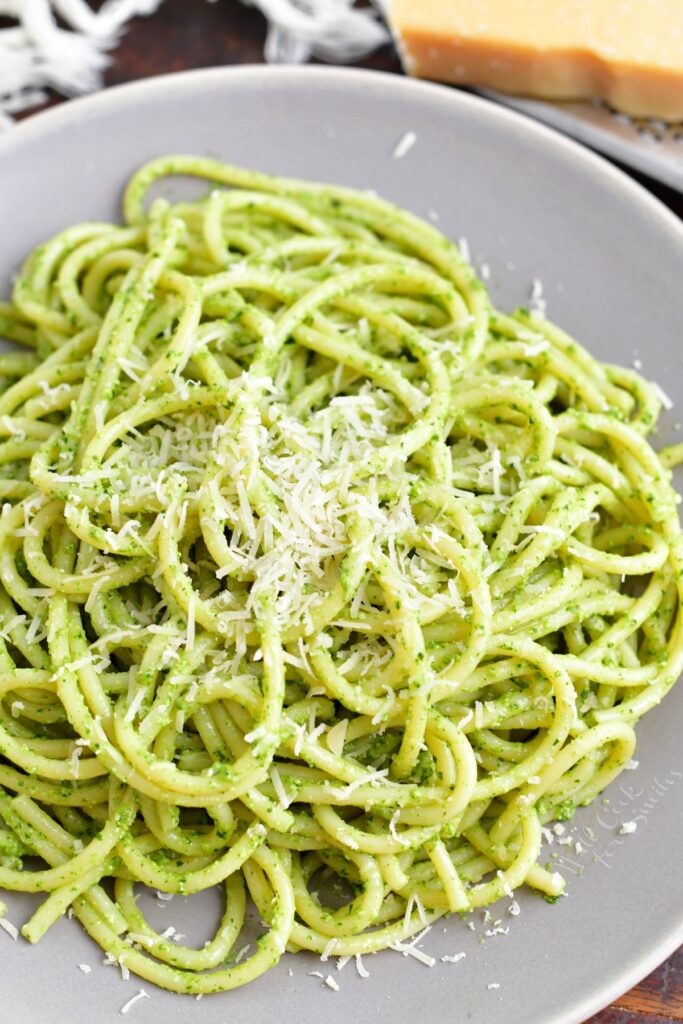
{"points": [[194, 34]]}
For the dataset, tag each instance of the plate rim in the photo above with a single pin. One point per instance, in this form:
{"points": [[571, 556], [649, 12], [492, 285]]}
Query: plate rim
{"points": [[657, 163], [91, 106], [194, 78]]}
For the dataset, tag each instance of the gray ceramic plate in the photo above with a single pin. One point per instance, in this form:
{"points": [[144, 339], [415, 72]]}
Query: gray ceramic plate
{"points": [[531, 204]]}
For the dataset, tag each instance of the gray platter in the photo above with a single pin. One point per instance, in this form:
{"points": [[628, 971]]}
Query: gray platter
{"points": [[532, 204]]}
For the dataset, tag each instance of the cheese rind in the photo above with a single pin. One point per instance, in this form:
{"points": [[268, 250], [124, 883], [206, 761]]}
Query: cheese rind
{"points": [[627, 52]]}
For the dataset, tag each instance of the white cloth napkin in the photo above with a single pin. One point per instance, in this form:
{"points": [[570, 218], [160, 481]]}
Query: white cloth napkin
{"points": [[331, 30], [36, 53]]}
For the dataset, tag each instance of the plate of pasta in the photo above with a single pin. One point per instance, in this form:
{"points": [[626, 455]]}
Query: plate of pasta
{"points": [[340, 558]]}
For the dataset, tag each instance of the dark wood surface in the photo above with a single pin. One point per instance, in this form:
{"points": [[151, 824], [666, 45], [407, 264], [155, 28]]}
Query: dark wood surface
{"points": [[195, 33]]}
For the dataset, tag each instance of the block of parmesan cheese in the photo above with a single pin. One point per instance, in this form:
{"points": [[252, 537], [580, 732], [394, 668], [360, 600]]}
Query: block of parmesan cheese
{"points": [[627, 52]]}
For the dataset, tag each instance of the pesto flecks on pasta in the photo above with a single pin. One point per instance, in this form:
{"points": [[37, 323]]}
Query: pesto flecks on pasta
{"points": [[312, 562]]}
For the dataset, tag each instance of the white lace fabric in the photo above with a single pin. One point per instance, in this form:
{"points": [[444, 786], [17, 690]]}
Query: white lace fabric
{"points": [[37, 53]]}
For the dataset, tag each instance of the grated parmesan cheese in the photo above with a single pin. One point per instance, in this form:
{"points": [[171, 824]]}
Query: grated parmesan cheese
{"points": [[10, 928], [411, 949], [537, 301], [280, 791], [365, 780], [404, 145], [504, 882], [404, 842], [662, 396], [335, 737], [134, 705], [133, 1000], [453, 959]]}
